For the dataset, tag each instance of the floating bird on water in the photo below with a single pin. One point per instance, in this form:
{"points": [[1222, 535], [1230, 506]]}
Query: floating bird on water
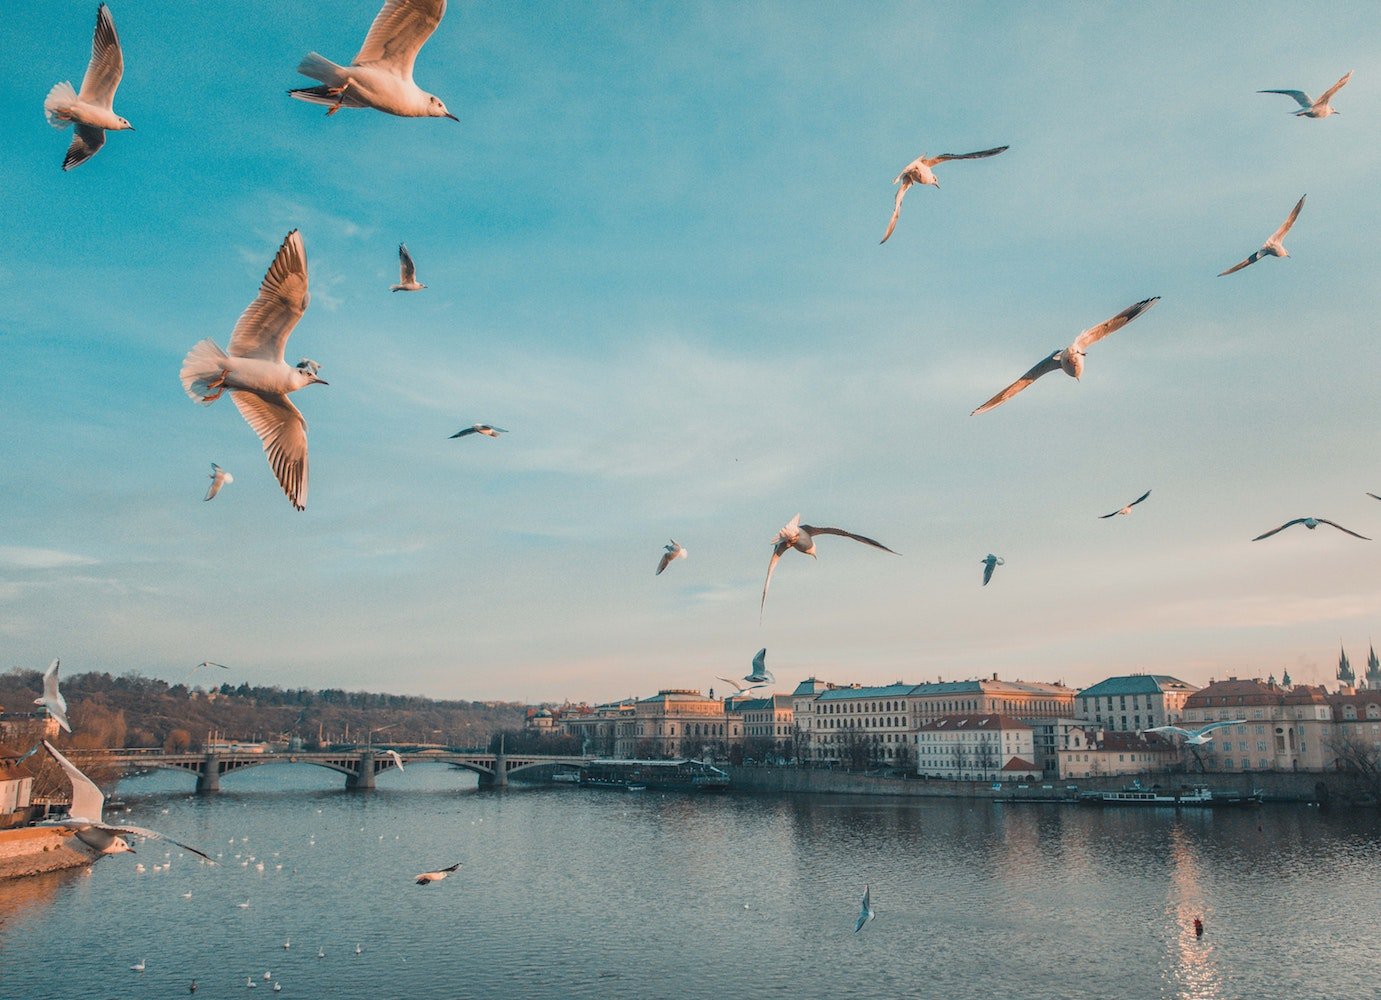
{"points": [[140, 967], [254, 370], [1272, 247], [1127, 509], [52, 698], [673, 552], [918, 172], [250, 983], [407, 272], [990, 563], [1071, 359], [358, 949], [267, 976], [90, 112], [427, 878], [485, 429], [278, 987], [1310, 108], [1196, 737], [1311, 523], [865, 912], [193, 987], [380, 75], [219, 477], [321, 953], [798, 536]]}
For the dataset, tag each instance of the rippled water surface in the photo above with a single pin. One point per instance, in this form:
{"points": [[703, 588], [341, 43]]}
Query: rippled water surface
{"points": [[568, 892]]}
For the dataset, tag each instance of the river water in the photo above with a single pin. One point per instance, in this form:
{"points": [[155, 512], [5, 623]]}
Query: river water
{"points": [[567, 892]]}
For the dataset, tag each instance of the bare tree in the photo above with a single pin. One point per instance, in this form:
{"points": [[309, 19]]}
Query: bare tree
{"points": [[985, 757], [1360, 759], [959, 757]]}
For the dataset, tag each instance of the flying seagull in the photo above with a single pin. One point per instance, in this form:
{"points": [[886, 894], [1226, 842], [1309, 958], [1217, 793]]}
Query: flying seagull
{"points": [[90, 112], [1373, 496], [219, 477], [760, 674], [1272, 247], [209, 663], [918, 172], [1311, 523], [254, 370], [990, 563], [1310, 108], [865, 912], [52, 698], [1196, 737], [398, 760], [798, 536], [1071, 359], [84, 817], [407, 272], [1127, 509], [741, 689], [427, 878], [485, 429], [673, 552], [380, 75]]}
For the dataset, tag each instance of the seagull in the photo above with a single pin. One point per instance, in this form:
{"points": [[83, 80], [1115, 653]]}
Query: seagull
{"points": [[1310, 108], [287, 943], [91, 112], [427, 878], [741, 689], [760, 674], [396, 759], [407, 272], [990, 563], [380, 75], [673, 552], [52, 698], [485, 429], [865, 912], [219, 477], [1311, 523], [140, 967], [254, 370], [1272, 247], [918, 172], [798, 536], [358, 949], [1196, 737], [209, 663], [1071, 359], [321, 952], [84, 816], [1127, 509]]}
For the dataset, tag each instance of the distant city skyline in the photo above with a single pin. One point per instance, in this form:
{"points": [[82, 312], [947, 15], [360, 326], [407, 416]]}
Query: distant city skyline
{"points": [[651, 251]]}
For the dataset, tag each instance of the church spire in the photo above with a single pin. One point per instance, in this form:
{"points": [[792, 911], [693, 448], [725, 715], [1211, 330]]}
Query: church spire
{"points": [[1373, 670], [1285, 681], [1345, 673]]}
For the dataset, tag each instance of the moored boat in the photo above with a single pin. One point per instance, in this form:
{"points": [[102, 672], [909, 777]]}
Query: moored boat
{"points": [[662, 775], [1195, 796]]}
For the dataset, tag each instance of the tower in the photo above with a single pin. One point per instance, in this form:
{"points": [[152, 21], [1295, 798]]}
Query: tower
{"points": [[1373, 670], [1345, 673]]}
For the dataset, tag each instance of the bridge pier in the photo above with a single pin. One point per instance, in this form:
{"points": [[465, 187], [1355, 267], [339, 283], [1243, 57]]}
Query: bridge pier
{"points": [[209, 777], [500, 766], [363, 779]]}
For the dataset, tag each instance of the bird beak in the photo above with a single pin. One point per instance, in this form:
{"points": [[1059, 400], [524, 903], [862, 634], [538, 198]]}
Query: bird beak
{"points": [[320, 381], [452, 117], [131, 850]]}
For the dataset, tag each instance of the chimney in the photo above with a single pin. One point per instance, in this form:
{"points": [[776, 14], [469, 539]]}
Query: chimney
{"points": [[994, 675]]}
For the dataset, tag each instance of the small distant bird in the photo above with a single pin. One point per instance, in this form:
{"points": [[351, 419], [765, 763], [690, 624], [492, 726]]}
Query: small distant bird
{"points": [[1310, 108], [1071, 359], [209, 663], [242, 906], [358, 949], [407, 272], [140, 967], [219, 477], [278, 987], [90, 112], [485, 429], [1197, 737], [1272, 247], [760, 674], [380, 76], [865, 912], [321, 953], [1374, 496], [397, 760], [1311, 523], [1127, 509], [427, 878], [918, 172], [52, 698], [990, 563], [673, 552], [741, 689], [187, 894], [254, 371], [798, 536], [267, 976], [193, 987], [250, 983]]}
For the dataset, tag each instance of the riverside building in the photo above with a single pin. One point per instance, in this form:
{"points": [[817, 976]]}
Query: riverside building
{"points": [[1286, 728], [975, 747], [861, 726], [1134, 702], [1017, 699], [1101, 752]]}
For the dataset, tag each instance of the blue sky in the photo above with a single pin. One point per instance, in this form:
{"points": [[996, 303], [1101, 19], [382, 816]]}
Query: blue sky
{"points": [[651, 246]]}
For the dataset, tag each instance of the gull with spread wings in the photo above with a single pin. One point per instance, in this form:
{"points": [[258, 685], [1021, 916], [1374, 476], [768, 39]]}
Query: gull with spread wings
{"points": [[1272, 247], [219, 477], [918, 172], [90, 112], [407, 272], [865, 912], [52, 698], [1310, 108], [1311, 523], [254, 371], [380, 75], [1127, 509], [801, 537], [991, 562], [1071, 358], [1196, 737], [673, 552]]}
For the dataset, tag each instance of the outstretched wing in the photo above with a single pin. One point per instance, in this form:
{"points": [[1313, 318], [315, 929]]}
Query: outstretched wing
{"points": [[1279, 234], [864, 911], [988, 566], [666, 558], [896, 210], [86, 140], [107, 63], [1250, 260], [811, 529], [1298, 520], [777, 551], [87, 800], [139, 831], [262, 329], [1168, 729], [1328, 94], [1332, 524], [281, 427], [399, 30], [981, 154], [407, 271], [1139, 499], [1046, 365], [1094, 334], [465, 431], [1300, 96]]}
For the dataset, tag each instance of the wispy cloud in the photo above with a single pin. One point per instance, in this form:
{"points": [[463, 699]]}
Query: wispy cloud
{"points": [[27, 558]]}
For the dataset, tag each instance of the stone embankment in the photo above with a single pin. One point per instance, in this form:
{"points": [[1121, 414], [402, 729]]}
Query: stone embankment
{"points": [[32, 850]]}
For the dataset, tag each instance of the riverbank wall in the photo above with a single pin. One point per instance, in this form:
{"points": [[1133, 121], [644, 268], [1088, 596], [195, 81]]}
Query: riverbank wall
{"points": [[33, 850]]}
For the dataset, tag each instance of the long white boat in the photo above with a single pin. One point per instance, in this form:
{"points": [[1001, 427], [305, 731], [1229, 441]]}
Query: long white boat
{"points": [[1195, 796]]}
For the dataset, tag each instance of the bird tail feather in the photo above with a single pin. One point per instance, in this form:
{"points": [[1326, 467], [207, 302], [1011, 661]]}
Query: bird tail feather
{"points": [[318, 67], [61, 97], [204, 364]]}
